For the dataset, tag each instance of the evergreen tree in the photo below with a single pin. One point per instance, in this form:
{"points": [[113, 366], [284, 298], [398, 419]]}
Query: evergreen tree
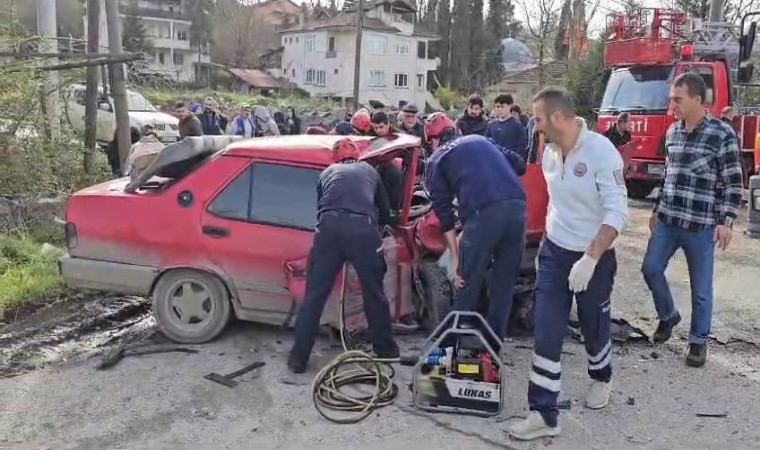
{"points": [[460, 43], [478, 51], [443, 29], [560, 46], [134, 36], [500, 24]]}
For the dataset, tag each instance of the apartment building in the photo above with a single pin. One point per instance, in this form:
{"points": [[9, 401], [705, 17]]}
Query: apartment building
{"points": [[396, 60]]}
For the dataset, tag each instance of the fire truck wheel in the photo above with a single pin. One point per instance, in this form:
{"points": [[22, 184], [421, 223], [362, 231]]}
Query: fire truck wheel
{"points": [[438, 295], [190, 306]]}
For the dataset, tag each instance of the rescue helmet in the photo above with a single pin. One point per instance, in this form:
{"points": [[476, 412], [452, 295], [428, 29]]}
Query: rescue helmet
{"points": [[436, 124], [345, 149], [362, 121]]}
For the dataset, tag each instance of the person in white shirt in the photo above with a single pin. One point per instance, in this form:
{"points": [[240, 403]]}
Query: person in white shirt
{"points": [[588, 207]]}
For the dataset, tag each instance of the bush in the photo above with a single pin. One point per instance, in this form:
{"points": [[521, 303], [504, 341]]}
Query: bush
{"points": [[26, 273], [165, 99]]}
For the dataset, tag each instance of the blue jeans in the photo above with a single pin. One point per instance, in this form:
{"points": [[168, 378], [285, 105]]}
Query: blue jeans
{"points": [[699, 248]]}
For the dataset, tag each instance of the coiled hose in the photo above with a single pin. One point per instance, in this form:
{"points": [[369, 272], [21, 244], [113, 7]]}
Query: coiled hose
{"points": [[356, 369]]}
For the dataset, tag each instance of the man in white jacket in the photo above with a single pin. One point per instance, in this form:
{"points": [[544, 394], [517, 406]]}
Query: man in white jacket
{"points": [[588, 207]]}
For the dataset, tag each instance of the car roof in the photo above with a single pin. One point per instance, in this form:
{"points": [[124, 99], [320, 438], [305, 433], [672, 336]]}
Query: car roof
{"points": [[314, 148]]}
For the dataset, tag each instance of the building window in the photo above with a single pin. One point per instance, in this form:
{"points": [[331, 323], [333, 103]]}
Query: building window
{"points": [[311, 44], [377, 78], [284, 41], [290, 40], [293, 73], [422, 49], [315, 77], [336, 71], [161, 58], [182, 34], [401, 80], [284, 71], [331, 44], [402, 47], [378, 45], [421, 80], [179, 59]]}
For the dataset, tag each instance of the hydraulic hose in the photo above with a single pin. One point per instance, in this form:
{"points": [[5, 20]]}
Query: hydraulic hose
{"points": [[354, 369]]}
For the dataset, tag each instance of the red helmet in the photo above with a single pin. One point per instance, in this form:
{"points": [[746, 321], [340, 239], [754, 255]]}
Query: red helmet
{"points": [[346, 149], [362, 121], [436, 124]]}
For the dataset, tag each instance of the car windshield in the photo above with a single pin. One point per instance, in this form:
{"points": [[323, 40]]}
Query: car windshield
{"points": [[638, 89]]}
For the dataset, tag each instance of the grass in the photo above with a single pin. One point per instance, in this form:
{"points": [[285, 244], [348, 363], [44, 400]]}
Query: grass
{"points": [[26, 273]]}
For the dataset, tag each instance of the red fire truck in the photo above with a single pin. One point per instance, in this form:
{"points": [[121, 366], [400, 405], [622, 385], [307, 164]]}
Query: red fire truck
{"points": [[646, 51]]}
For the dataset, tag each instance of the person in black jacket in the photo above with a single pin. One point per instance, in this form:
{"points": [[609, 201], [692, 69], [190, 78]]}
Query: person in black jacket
{"points": [[212, 121], [620, 133], [112, 150], [352, 208], [473, 121], [410, 123]]}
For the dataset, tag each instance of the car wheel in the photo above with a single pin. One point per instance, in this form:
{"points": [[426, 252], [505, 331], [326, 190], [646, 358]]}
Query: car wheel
{"points": [[437, 294], [191, 307]]}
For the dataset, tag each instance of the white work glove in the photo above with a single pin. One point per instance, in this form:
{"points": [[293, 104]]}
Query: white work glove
{"points": [[581, 273]]}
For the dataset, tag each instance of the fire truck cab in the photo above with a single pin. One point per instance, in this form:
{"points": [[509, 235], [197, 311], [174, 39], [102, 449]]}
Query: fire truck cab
{"points": [[646, 51]]}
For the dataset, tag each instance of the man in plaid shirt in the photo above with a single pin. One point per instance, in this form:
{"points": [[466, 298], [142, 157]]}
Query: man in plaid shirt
{"points": [[692, 213]]}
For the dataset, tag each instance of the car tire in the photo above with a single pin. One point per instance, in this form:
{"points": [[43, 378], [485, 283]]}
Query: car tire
{"points": [[437, 295], [183, 295]]}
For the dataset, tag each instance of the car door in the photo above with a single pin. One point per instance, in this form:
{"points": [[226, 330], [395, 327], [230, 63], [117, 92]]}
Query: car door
{"points": [[256, 227]]}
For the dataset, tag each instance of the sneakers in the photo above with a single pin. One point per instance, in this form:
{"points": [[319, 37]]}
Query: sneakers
{"points": [[532, 427], [665, 329], [697, 355], [389, 352], [598, 395]]}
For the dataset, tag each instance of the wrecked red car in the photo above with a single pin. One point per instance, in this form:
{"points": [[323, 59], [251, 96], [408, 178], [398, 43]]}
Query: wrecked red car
{"points": [[210, 234]]}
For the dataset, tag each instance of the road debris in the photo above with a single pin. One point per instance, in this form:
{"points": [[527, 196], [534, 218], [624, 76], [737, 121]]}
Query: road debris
{"points": [[227, 380], [631, 401], [113, 357]]}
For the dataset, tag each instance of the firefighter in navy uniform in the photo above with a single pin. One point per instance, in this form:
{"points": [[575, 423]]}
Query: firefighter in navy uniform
{"points": [[353, 206]]}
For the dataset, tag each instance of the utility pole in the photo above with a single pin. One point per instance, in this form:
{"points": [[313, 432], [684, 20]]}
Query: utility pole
{"points": [[716, 10], [118, 85], [358, 52], [48, 30], [91, 99]]}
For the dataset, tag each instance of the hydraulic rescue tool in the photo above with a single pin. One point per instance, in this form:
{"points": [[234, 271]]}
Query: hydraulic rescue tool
{"points": [[459, 369]]}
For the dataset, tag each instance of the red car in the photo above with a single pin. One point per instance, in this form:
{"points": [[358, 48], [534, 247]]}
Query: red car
{"points": [[211, 233]]}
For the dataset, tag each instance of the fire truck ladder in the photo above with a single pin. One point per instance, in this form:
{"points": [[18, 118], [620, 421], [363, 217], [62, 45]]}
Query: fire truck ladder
{"points": [[718, 39]]}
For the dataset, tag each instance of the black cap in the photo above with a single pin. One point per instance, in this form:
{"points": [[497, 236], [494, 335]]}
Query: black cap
{"points": [[409, 108]]}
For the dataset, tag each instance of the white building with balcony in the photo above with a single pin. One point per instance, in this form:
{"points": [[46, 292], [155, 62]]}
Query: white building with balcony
{"points": [[167, 22], [396, 61]]}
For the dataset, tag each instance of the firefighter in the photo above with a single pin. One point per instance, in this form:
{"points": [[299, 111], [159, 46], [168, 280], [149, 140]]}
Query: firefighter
{"points": [[361, 124], [485, 180], [352, 206], [588, 207]]}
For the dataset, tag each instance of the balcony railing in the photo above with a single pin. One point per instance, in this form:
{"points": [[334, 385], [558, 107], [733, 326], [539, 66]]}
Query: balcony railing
{"points": [[154, 13]]}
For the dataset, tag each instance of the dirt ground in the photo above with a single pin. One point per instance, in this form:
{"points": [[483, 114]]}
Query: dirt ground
{"points": [[163, 402]]}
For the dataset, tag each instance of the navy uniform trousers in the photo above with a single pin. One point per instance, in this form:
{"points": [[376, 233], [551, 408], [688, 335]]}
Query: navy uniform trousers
{"points": [[494, 236], [554, 299], [341, 238]]}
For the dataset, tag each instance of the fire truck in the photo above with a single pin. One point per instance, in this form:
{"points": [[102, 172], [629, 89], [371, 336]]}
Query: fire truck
{"points": [[645, 51]]}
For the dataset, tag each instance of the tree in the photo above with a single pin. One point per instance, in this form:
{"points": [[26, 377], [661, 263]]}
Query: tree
{"points": [[332, 7], [560, 45], [541, 22], [443, 28], [201, 27], [478, 51], [134, 36], [460, 43], [245, 36], [587, 80], [500, 23]]}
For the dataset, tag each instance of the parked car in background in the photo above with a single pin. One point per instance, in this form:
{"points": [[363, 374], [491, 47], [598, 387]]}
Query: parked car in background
{"points": [[141, 113]]}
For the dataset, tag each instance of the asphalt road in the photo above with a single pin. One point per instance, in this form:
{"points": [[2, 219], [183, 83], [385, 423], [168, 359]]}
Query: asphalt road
{"points": [[163, 402]]}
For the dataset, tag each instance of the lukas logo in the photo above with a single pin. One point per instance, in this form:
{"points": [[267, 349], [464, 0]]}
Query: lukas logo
{"points": [[474, 393]]}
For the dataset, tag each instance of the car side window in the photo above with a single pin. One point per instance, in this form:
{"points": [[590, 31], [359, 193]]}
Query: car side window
{"points": [[233, 201], [284, 195]]}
